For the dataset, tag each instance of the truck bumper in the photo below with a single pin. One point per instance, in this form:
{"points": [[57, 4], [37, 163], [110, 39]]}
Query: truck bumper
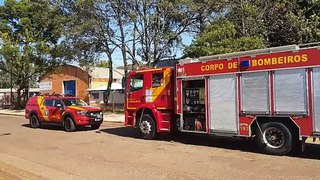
{"points": [[88, 121]]}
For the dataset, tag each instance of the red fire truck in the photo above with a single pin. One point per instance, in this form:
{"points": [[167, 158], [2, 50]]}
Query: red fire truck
{"points": [[270, 94]]}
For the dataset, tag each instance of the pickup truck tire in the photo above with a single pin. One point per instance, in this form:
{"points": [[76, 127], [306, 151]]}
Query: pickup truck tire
{"points": [[147, 127], [275, 138], [34, 121], [95, 126], [69, 125]]}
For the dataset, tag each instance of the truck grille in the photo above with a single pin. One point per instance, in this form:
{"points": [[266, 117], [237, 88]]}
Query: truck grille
{"points": [[95, 114]]}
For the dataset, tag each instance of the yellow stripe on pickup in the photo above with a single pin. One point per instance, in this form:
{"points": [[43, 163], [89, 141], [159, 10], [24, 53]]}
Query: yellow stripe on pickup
{"points": [[76, 108], [42, 108]]}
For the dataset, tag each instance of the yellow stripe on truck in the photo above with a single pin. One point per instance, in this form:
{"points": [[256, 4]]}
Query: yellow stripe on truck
{"points": [[158, 90]]}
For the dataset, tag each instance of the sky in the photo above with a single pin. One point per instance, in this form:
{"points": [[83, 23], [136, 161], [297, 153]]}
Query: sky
{"points": [[1, 2]]}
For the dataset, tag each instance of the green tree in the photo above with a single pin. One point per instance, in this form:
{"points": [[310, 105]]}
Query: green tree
{"points": [[221, 37], [279, 22], [4, 79], [29, 36], [102, 63], [89, 33], [250, 24]]}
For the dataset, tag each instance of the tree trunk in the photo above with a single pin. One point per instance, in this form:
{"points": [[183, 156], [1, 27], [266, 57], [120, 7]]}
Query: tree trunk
{"points": [[123, 40], [145, 34], [134, 61], [107, 94], [18, 100]]}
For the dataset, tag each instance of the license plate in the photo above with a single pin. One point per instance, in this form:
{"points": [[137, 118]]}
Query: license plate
{"points": [[97, 119]]}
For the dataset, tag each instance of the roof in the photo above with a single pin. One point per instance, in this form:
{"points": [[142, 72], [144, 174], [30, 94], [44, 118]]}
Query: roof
{"points": [[60, 68], [100, 72], [114, 86]]}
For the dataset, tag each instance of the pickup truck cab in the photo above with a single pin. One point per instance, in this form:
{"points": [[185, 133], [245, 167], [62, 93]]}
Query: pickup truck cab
{"points": [[68, 111]]}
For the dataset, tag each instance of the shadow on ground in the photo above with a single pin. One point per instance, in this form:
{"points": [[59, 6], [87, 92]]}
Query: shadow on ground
{"points": [[242, 144], [57, 127]]}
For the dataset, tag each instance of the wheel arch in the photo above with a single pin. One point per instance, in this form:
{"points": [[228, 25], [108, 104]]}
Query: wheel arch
{"points": [[65, 115], [33, 112], [145, 110], [285, 120]]}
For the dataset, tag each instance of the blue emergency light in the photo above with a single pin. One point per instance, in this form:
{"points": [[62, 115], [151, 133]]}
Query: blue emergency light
{"points": [[245, 64]]}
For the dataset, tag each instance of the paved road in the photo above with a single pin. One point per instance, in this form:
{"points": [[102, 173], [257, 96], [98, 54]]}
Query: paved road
{"points": [[116, 152]]}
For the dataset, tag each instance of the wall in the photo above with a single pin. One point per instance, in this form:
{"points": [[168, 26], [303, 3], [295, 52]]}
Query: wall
{"points": [[66, 73], [116, 97], [98, 82]]}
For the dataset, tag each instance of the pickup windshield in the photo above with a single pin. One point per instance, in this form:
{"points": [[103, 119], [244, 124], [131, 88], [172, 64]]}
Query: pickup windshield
{"points": [[74, 102]]}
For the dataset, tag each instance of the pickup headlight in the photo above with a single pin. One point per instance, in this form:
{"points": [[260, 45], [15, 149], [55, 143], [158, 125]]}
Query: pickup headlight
{"points": [[81, 113]]}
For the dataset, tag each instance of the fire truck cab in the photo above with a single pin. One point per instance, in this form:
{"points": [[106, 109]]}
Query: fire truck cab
{"points": [[270, 94], [149, 100]]}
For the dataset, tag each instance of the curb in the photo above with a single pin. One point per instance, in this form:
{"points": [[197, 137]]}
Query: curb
{"points": [[22, 115], [9, 114]]}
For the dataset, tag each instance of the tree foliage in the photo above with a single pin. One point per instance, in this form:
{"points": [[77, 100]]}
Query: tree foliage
{"points": [[258, 23], [29, 41], [102, 63], [221, 37]]}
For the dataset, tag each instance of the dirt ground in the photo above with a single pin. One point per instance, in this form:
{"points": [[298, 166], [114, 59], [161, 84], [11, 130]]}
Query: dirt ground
{"points": [[117, 152]]}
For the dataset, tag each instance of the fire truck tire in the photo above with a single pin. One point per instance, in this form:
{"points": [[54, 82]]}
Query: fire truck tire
{"points": [[68, 124], [34, 121], [147, 127], [275, 139]]}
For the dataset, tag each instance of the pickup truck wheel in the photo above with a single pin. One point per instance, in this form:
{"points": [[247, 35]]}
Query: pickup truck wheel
{"points": [[275, 138], [95, 126], [147, 127], [69, 125], [34, 121]]}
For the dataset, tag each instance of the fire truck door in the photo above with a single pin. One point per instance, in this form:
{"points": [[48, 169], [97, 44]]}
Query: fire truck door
{"points": [[160, 93], [316, 100], [222, 102], [135, 92]]}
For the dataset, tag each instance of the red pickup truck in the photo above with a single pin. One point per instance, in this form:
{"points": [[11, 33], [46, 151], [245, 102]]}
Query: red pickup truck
{"points": [[68, 111]]}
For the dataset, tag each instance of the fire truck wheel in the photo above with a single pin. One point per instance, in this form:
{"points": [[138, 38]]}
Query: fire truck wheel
{"points": [[34, 121], [147, 127], [68, 124], [275, 138]]}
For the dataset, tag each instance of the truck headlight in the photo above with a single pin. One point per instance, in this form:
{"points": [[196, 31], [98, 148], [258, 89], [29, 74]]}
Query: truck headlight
{"points": [[81, 113]]}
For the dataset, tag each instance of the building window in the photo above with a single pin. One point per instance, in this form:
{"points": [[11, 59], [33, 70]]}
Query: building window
{"points": [[95, 95]]}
